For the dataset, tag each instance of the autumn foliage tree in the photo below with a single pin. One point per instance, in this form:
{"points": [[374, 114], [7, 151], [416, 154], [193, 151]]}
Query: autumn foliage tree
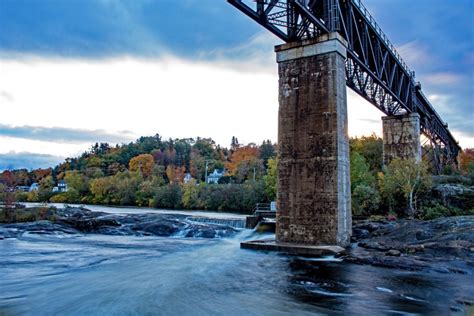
{"points": [[243, 161], [467, 160], [143, 163]]}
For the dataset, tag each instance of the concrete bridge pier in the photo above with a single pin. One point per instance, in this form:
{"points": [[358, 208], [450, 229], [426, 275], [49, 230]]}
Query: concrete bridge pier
{"points": [[401, 137], [314, 198]]}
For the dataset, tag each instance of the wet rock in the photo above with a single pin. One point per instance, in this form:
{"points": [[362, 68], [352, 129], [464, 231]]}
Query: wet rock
{"points": [[165, 229], [393, 252], [75, 220], [443, 245]]}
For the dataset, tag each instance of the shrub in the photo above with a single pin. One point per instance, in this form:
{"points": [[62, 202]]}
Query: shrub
{"points": [[365, 200], [168, 197], [437, 210]]}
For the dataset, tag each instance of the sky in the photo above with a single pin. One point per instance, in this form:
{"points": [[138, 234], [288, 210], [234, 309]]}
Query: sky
{"points": [[76, 72]]}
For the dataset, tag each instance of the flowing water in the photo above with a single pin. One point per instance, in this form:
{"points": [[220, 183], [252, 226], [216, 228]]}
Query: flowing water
{"points": [[91, 274]]}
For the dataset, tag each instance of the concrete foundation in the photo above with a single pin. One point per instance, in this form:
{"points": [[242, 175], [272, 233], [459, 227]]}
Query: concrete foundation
{"points": [[293, 249], [313, 200], [401, 137]]}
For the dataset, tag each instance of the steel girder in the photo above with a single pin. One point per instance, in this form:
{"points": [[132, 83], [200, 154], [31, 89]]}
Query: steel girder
{"points": [[374, 69]]}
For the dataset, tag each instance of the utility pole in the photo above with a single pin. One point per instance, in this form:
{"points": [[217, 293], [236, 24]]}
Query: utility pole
{"points": [[205, 177]]}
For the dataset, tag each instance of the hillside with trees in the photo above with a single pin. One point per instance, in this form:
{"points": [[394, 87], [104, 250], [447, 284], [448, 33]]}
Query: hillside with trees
{"points": [[199, 174]]}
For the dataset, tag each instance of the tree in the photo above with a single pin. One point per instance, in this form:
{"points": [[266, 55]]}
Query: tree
{"points": [[190, 196], [467, 161], [142, 163], [241, 154], [408, 177], [371, 148], [46, 186], [77, 181], [267, 151], [365, 200], [360, 173], [175, 174], [168, 197], [234, 144], [270, 179]]}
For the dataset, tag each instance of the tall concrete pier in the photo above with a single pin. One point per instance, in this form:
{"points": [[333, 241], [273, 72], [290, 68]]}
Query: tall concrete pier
{"points": [[314, 201], [401, 137]]}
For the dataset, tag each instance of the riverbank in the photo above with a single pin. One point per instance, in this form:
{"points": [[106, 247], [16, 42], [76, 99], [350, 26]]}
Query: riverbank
{"points": [[443, 245]]}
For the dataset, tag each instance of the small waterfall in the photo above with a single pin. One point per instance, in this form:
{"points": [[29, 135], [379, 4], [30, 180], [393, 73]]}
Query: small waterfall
{"points": [[238, 223]]}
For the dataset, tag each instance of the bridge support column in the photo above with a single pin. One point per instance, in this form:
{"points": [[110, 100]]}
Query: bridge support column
{"points": [[401, 137], [314, 198]]}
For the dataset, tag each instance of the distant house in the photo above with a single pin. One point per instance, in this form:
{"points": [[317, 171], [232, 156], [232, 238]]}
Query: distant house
{"points": [[34, 187], [187, 178], [23, 188], [62, 187], [215, 176]]}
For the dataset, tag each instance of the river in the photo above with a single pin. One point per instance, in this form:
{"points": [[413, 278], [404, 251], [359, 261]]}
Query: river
{"points": [[91, 274]]}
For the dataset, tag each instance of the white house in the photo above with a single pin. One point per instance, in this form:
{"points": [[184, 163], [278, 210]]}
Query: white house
{"points": [[215, 176], [34, 187], [187, 178], [62, 187]]}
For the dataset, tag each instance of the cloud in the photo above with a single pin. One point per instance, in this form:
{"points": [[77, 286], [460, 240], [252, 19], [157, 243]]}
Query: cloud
{"points": [[62, 134], [7, 96], [414, 54], [442, 78], [19, 160], [254, 55], [458, 115], [100, 29]]}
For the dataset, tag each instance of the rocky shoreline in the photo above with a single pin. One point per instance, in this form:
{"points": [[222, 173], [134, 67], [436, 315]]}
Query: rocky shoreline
{"points": [[444, 245], [72, 220]]}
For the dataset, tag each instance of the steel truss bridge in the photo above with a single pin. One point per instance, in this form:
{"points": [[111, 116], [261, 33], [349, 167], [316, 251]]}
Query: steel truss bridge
{"points": [[374, 69]]}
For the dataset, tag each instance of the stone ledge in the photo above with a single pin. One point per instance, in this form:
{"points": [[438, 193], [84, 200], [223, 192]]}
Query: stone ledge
{"points": [[292, 248], [324, 44]]}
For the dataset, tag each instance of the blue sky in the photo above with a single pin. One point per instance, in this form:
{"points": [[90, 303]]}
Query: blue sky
{"points": [[62, 46]]}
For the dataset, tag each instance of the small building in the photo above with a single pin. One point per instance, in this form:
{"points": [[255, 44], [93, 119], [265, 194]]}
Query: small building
{"points": [[34, 187], [62, 186], [187, 178], [215, 176]]}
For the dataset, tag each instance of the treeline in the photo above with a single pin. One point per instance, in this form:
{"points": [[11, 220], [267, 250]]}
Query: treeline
{"points": [[172, 174], [159, 173]]}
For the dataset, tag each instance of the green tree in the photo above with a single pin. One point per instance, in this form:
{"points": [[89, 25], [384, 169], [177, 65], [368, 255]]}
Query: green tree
{"points": [[270, 179], [267, 151], [360, 172], [46, 186], [77, 181], [190, 196], [371, 148], [168, 197], [365, 200], [408, 177]]}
